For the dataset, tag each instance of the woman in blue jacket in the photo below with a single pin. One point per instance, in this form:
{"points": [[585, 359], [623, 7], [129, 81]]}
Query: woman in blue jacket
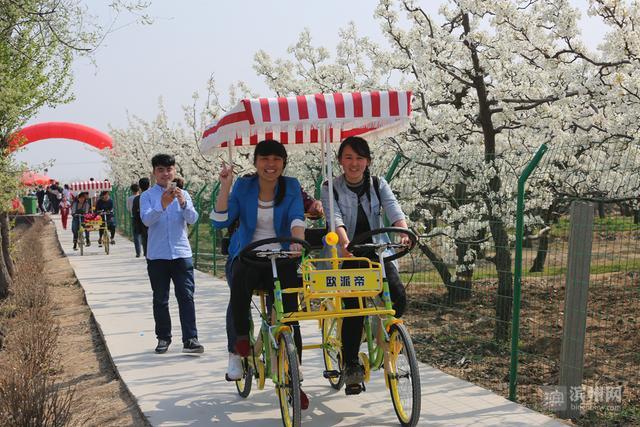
{"points": [[266, 204]]}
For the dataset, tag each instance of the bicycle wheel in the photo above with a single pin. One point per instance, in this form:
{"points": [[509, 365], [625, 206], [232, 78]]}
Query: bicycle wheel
{"points": [[105, 242], [288, 385], [332, 351], [244, 384], [81, 241], [404, 377]]}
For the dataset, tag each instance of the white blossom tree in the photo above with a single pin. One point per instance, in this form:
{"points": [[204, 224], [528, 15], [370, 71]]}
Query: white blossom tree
{"points": [[493, 80]]}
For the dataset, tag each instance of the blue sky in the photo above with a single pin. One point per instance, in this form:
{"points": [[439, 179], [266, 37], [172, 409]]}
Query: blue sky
{"points": [[173, 57]]}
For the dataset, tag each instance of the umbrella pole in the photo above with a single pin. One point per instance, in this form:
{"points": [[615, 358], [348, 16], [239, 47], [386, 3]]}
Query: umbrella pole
{"points": [[329, 175]]}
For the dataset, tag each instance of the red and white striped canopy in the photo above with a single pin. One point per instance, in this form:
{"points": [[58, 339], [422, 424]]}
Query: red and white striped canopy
{"points": [[299, 119], [90, 185]]}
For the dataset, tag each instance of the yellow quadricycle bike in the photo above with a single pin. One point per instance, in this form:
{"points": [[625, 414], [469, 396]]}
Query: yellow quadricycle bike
{"points": [[324, 287], [388, 343], [273, 353]]}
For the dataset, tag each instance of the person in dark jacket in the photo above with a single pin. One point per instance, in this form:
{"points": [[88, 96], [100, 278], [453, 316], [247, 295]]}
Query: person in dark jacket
{"points": [[40, 196], [105, 205], [137, 237], [138, 226], [79, 207]]}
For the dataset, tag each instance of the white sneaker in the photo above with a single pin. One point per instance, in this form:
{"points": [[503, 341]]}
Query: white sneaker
{"points": [[234, 370]]}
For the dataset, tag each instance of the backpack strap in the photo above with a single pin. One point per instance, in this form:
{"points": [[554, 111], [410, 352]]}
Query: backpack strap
{"points": [[376, 188]]}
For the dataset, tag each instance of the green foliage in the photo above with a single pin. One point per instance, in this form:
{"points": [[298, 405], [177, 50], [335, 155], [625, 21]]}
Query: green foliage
{"points": [[36, 52], [10, 179]]}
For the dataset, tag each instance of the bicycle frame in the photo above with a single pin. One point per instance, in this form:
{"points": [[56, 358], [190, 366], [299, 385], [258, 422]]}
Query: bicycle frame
{"points": [[269, 334]]}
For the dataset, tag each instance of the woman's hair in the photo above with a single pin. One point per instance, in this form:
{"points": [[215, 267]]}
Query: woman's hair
{"points": [[361, 147], [270, 147], [357, 144]]}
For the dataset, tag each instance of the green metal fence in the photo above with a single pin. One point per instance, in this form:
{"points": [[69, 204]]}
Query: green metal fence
{"points": [[580, 289], [509, 340], [205, 240]]}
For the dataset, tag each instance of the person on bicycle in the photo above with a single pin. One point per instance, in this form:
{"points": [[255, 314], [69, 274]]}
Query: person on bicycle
{"points": [[359, 200], [80, 206], [104, 206], [267, 204]]}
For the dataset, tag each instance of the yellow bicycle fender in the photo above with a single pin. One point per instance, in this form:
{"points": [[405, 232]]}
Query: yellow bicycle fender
{"points": [[392, 322], [281, 329]]}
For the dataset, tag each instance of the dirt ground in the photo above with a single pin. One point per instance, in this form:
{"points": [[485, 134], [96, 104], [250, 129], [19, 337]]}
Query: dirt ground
{"points": [[458, 339], [100, 398]]}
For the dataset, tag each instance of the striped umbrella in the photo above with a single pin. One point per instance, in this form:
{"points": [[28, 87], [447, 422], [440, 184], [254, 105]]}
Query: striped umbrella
{"points": [[90, 186], [310, 119]]}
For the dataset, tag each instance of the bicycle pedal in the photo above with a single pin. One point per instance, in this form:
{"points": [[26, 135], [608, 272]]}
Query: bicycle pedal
{"points": [[226, 377], [352, 389], [331, 374]]}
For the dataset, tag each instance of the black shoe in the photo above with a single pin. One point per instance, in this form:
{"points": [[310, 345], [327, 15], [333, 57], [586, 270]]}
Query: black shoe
{"points": [[113, 241], [353, 374], [163, 346], [99, 244], [137, 255], [88, 243], [192, 346], [75, 246]]}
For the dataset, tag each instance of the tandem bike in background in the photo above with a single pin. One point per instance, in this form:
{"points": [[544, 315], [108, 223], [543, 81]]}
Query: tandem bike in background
{"points": [[93, 222], [308, 121]]}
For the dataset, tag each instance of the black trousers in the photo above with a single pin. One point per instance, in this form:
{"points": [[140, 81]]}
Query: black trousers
{"points": [[352, 326], [144, 232], [111, 226], [247, 278]]}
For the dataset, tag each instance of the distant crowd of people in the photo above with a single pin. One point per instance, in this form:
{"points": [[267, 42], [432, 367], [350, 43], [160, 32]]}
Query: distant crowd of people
{"points": [[56, 198]]}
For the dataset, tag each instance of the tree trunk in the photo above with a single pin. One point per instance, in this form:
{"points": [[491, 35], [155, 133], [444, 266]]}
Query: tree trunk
{"points": [[6, 244], [527, 243], [505, 279], [438, 263], [541, 255], [5, 278], [498, 229], [461, 289]]}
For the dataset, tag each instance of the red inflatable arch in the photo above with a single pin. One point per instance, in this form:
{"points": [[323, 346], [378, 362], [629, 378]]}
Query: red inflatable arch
{"points": [[63, 130]]}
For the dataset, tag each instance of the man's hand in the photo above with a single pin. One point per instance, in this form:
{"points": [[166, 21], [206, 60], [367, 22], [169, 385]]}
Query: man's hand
{"points": [[180, 196], [167, 197]]}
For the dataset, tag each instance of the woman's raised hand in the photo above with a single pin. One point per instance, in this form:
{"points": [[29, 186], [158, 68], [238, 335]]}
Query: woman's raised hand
{"points": [[226, 175]]}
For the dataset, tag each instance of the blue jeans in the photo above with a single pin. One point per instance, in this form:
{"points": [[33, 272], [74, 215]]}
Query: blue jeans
{"points": [[75, 227], [231, 330], [137, 241], [161, 273]]}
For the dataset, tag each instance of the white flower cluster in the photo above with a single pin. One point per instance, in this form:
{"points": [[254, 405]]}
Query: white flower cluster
{"points": [[493, 80]]}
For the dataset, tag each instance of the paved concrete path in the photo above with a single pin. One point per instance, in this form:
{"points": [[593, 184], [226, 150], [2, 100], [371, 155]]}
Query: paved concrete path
{"points": [[178, 389]]}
